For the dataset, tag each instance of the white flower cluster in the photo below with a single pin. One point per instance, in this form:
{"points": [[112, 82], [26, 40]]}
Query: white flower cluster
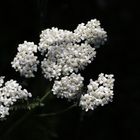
{"points": [[9, 94], [25, 61], [67, 51], [65, 54], [99, 92], [69, 86], [91, 33], [54, 37], [62, 60]]}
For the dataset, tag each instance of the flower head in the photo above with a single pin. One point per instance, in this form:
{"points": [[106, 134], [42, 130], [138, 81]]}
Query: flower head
{"points": [[10, 92], [54, 37], [69, 86], [91, 33], [25, 61], [99, 92], [63, 60]]}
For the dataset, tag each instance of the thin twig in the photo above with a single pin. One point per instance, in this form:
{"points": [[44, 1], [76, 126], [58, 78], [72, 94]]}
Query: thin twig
{"points": [[57, 113]]}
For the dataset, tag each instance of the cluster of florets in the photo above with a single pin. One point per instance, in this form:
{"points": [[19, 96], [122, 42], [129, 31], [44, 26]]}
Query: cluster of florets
{"points": [[54, 37], [25, 61], [67, 51], [63, 60], [99, 92], [64, 51], [64, 54], [91, 33], [10, 92], [69, 86]]}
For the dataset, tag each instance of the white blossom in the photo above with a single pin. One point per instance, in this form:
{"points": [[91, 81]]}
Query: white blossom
{"points": [[99, 92], [62, 60], [25, 61], [66, 51], [91, 32], [53, 37], [69, 86], [10, 92]]}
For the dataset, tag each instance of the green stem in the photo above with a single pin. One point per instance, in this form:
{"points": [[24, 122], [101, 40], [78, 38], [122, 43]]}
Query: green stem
{"points": [[32, 105], [57, 113], [45, 96], [26, 115]]}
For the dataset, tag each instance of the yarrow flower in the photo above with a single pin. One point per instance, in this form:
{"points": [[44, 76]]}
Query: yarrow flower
{"points": [[10, 92], [69, 86], [99, 92], [66, 51], [91, 33], [25, 61], [54, 37], [63, 60]]}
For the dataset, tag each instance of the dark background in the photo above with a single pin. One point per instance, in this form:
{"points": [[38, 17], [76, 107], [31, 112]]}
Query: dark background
{"points": [[24, 19]]}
